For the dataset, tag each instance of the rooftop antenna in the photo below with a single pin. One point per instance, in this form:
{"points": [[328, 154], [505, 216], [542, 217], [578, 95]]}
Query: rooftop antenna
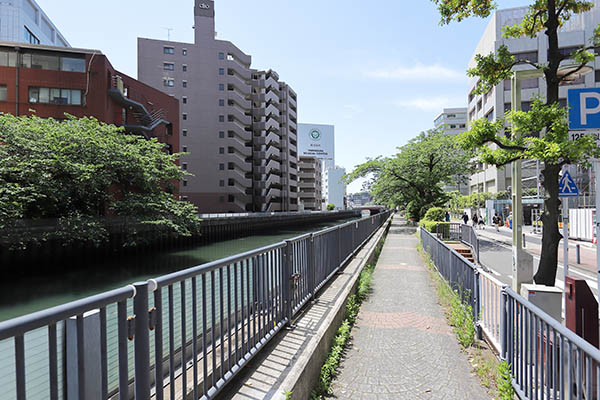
{"points": [[168, 33]]}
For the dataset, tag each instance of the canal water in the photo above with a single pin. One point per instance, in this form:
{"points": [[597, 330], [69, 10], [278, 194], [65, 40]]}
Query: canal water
{"points": [[35, 293]]}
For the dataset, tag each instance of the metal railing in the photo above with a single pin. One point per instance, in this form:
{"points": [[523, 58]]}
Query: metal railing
{"points": [[187, 333], [460, 232], [547, 360], [461, 274]]}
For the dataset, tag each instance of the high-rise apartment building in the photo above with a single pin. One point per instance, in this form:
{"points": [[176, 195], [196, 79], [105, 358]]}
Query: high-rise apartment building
{"points": [[451, 121], [336, 187], [310, 183], [24, 21], [238, 124], [575, 33]]}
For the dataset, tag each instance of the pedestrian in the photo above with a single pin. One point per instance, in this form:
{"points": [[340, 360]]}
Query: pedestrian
{"points": [[474, 220], [447, 216], [496, 221], [481, 223], [465, 218]]}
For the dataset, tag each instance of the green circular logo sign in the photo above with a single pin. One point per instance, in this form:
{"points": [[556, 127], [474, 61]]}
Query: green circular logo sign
{"points": [[315, 134]]}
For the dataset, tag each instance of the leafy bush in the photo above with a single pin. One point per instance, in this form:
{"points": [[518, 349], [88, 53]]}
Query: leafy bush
{"points": [[330, 207], [435, 214], [430, 226], [503, 381]]}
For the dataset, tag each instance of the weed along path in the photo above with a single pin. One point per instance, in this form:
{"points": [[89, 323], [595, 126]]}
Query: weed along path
{"points": [[401, 346]]}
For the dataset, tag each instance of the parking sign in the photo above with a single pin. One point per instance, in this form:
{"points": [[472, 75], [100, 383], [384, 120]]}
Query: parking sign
{"points": [[584, 108]]}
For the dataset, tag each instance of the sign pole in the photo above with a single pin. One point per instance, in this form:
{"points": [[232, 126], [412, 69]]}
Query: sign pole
{"points": [[565, 201], [597, 173]]}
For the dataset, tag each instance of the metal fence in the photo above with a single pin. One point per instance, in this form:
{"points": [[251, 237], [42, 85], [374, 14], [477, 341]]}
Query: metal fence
{"points": [[187, 333], [459, 232], [461, 274], [547, 360]]}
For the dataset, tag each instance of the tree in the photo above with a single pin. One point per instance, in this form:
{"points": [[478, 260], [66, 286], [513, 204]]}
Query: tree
{"points": [[544, 130], [414, 177], [79, 173], [330, 207]]}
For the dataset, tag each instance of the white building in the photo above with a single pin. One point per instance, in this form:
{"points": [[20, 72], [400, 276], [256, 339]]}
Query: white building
{"points": [[451, 121], [335, 186], [576, 32], [24, 21]]}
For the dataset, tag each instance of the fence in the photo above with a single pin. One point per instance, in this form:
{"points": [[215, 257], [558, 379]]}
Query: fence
{"points": [[459, 232], [547, 360], [189, 332]]}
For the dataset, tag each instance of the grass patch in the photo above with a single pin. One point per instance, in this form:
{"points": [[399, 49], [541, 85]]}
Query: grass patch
{"points": [[340, 340]]}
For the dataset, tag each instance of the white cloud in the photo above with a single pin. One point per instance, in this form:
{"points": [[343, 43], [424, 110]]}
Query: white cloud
{"points": [[431, 103], [417, 72]]}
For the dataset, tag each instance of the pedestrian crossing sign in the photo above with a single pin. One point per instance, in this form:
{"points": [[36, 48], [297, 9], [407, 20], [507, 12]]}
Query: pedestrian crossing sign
{"points": [[567, 186]]}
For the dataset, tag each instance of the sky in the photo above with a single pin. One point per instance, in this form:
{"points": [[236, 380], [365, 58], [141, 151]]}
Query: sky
{"points": [[379, 70]]}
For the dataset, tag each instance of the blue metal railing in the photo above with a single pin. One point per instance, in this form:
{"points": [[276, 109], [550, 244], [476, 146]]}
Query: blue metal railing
{"points": [[187, 333], [547, 360]]}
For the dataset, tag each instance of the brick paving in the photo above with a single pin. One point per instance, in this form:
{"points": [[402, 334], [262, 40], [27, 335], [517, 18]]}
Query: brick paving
{"points": [[402, 346]]}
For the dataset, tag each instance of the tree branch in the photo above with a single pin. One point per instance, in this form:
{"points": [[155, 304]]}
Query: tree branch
{"points": [[508, 161], [564, 78], [507, 147]]}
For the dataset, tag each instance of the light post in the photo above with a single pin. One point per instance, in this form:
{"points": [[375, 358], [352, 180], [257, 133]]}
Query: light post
{"points": [[522, 270]]}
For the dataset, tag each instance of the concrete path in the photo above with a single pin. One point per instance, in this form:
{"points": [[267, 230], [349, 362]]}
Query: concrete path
{"points": [[402, 346]]}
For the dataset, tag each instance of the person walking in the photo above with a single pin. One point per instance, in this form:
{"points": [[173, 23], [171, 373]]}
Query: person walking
{"points": [[465, 218], [474, 221], [481, 222], [447, 216], [496, 221]]}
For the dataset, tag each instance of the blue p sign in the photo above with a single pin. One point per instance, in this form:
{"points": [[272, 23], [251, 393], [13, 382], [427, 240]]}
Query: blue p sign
{"points": [[584, 108]]}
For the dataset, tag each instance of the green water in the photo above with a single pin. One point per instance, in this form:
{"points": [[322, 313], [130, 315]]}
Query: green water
{"points": [[35, 293]]}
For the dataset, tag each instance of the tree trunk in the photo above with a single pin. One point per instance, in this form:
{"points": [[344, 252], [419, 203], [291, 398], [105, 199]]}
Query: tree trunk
{"points": [[546, 273]]}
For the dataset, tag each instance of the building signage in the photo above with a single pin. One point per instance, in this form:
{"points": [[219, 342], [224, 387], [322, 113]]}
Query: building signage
{"points": [[204, 6], [584, 109], [316, 141]]}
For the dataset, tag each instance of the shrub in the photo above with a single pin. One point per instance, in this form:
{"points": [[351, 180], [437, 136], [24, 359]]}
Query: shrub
{"points": [[435, 214]]}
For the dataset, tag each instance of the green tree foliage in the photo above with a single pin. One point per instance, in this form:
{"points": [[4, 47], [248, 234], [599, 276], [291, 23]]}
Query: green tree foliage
{"points": [[330, 207], [435, 214], [544, 129], [83, 177], [415, 176]]}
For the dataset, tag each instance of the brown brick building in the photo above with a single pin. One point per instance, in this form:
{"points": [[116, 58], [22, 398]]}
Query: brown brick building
{"points": [[51, 81]]}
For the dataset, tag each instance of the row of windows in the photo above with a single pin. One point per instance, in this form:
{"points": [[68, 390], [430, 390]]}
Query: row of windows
{"points": [[168, 82], [30, 37], [171, 67], [55, 96], [48, 61], [171, 50]]}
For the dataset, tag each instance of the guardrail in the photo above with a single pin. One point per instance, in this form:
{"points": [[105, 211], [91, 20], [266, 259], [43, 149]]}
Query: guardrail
{"points": [[187, 332], [459, 232], [547, 360]]}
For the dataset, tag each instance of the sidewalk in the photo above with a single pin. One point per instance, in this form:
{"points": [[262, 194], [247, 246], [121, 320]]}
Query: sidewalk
{"points": [[402, 347]]}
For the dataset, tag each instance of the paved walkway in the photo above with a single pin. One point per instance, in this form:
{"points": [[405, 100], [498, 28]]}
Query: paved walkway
{"points": [[402, 346]]}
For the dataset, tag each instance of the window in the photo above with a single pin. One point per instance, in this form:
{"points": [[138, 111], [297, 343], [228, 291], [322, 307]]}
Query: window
{"points": [[169, 82], [230, 150], [490, 115], [221, 102], [184, 52], [184, 84], [525, 106], [452, 126], [72, 64], [230, 166], [528, 83], [479, 104], [597, 74], [55, 96], [230, 198], [168, 50], [43, 61], [527, 56], [184, 67], [169, 66], [221, 183], [184, 166], [3, 93], [231, 182], [184, 132], [30, 37], [184, 149], [221, 167], [221, 118], [221, 87], [8, 59], [184, 116], [562, 103], [221, 150], [221, 134], [184, 100], [184, 183], [221, 56], [579, 81], [221, 71], [30, 10]]}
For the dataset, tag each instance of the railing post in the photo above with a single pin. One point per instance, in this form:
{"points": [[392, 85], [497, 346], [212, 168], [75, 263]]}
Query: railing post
{"points": [[286, 275], [142, 341], [339, 247], [310, 268], [503, 322], [476, 299]]}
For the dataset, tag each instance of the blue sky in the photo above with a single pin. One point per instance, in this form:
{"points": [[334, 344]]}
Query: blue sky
{"points": [[379, 71]]}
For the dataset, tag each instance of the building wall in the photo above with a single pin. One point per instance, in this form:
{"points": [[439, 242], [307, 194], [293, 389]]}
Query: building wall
{"points": [[16, 15], [452, 121], [576, 32], [310, 183], [230, 155], [336, 188]]}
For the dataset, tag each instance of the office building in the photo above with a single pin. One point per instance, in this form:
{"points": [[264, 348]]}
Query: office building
{"points": [[52, 81], [23, 21], [359, 199], [239, 125], [336, 187], [310, 183], [451, 121], [575, 33]]}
